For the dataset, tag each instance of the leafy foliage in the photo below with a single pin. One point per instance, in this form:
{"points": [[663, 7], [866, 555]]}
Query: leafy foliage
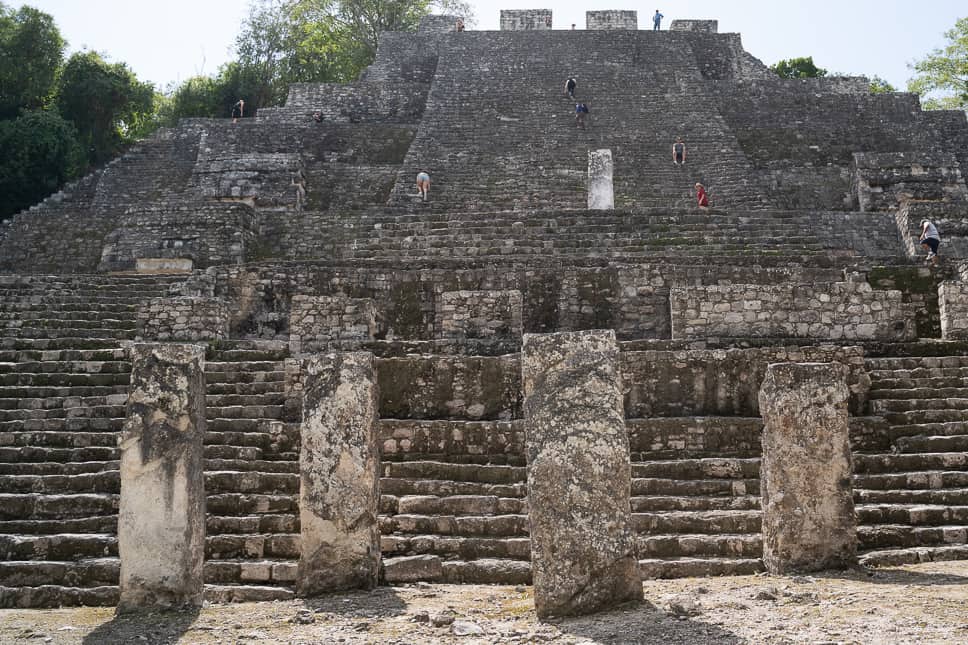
{"points": [[40, 152], [104, 100], [803, 67], [880, 86], [945, 71], [31, 51]]}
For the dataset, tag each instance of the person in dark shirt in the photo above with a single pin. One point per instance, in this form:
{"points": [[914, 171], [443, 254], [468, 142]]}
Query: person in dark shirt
{"points": [[581, 112], [570, 86], [679, 152]]}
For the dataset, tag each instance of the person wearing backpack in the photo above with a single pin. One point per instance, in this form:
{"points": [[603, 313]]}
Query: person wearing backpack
{"points": [[581, 111]]}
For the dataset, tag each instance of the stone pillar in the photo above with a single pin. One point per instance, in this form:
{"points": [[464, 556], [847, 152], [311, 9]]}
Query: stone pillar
{"points": [[601, 195], [161, 524], [579, 475], [805, 477], [339, 474], [525, 19], [611, 20]]}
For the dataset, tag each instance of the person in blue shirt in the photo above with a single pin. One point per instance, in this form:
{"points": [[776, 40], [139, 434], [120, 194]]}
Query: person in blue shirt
{"points": [[581, 110], [657, 20]]}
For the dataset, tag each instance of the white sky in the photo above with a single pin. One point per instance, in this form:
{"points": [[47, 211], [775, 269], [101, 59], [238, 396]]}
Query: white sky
{"points": [[171, 40]]}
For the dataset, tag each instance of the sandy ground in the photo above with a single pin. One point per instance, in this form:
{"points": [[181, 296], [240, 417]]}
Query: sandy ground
{"points": [[918, 604]]}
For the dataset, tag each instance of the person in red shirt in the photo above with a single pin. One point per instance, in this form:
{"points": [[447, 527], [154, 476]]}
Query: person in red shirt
{"points": [[701, 197]]}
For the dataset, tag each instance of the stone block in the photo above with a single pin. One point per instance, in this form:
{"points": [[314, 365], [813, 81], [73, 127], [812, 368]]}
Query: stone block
{"points": [[339, 475], [525, 19], [189, 318], [318, 323], [601, 192], [412, 569], [437, 24], [883, 181], [953, 303], [611, 20], [805, 476], [161, 521], [695, 26], [579, 475]]}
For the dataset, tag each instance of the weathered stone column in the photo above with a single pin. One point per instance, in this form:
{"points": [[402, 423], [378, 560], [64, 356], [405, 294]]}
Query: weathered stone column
{"points": [[601, 195], [579, 476], [805, 477], [339, 474], [161, 524]]}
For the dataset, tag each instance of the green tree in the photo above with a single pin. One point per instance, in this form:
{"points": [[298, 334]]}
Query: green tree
{"points": [[798, 68], [880, 86], [105, 101], [31, 51], [40, 152], [945, 72]]}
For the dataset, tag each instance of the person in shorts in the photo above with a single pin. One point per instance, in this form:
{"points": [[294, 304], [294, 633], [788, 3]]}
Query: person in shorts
{"points": [[679, 152], [423, 184], [930, 240]]}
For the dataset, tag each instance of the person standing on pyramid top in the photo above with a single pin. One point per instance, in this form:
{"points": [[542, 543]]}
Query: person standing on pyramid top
{"points": [[657, 20], [423, 184], [570, 86], [679, 152]]}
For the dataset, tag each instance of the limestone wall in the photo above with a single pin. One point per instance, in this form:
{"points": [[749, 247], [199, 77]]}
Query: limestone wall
{"points": [[837, 311], [723, 382], [953, 300], [320, 322], [206, 233], [183, 319], [951, 219], [884, 180], [479, 314], [699, 26]]}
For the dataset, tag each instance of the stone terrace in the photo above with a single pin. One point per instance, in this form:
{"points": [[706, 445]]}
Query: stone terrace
{"points": [[280, 235]]}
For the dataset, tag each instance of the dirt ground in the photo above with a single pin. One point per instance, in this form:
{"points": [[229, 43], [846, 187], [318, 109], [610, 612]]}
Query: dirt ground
{"points": [[917, 604]]}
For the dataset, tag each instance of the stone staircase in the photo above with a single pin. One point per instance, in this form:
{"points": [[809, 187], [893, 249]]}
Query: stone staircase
{"points": [[911, 477], [453, 486]]}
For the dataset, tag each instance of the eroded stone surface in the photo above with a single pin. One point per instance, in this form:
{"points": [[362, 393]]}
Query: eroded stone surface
{"points": [[161, 524], [601, 192], [339, 474], [805, 476], [582, 549]]}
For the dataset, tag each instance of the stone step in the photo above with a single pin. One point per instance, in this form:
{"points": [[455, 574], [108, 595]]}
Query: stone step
{"points": [[252, 546], [465, 548], [914, 363], [452, 505], [917, 555], [246, 504], [705, 522], [431, 568], [64, 546], [667, 487], [679, 546], [76, 343], [217, 482], [467, 526], [694, 437], [63, 392], [245, 412], [901, 463], [661, 568], [52, 468], [224, 594], [942, 497], [116, 400], [261, 467], [82, 437], [884, 406], [213, 367], [917, 416], [918, 480], [912, 514], [932, 392], [916, 379], [30, 506], [447, 439], [657, 503], [96, 524], [100, 482], [81, 412], [443, 488], [260, 571], [893, 536], [67, 367], [708, 468], [483, 474], [86, 573], [43, 455], [53, 597], [251, 524], [930, 444], [21, 379], [268, 386]]}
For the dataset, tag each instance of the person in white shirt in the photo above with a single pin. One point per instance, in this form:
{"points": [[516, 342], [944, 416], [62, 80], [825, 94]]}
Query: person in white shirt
{"points": [[930, 240]]}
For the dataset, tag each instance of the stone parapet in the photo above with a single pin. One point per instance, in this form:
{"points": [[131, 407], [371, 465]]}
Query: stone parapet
{"points": [[723, 382], [808, 507], [161, 521], [187, 318], [953, 302], [438, 24], [320, 322], [479, 314], [695, 26], [358, 102], [339, 478], [608, 20], [838, 311], [525, 19], [882, 181], [579, 474]]}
